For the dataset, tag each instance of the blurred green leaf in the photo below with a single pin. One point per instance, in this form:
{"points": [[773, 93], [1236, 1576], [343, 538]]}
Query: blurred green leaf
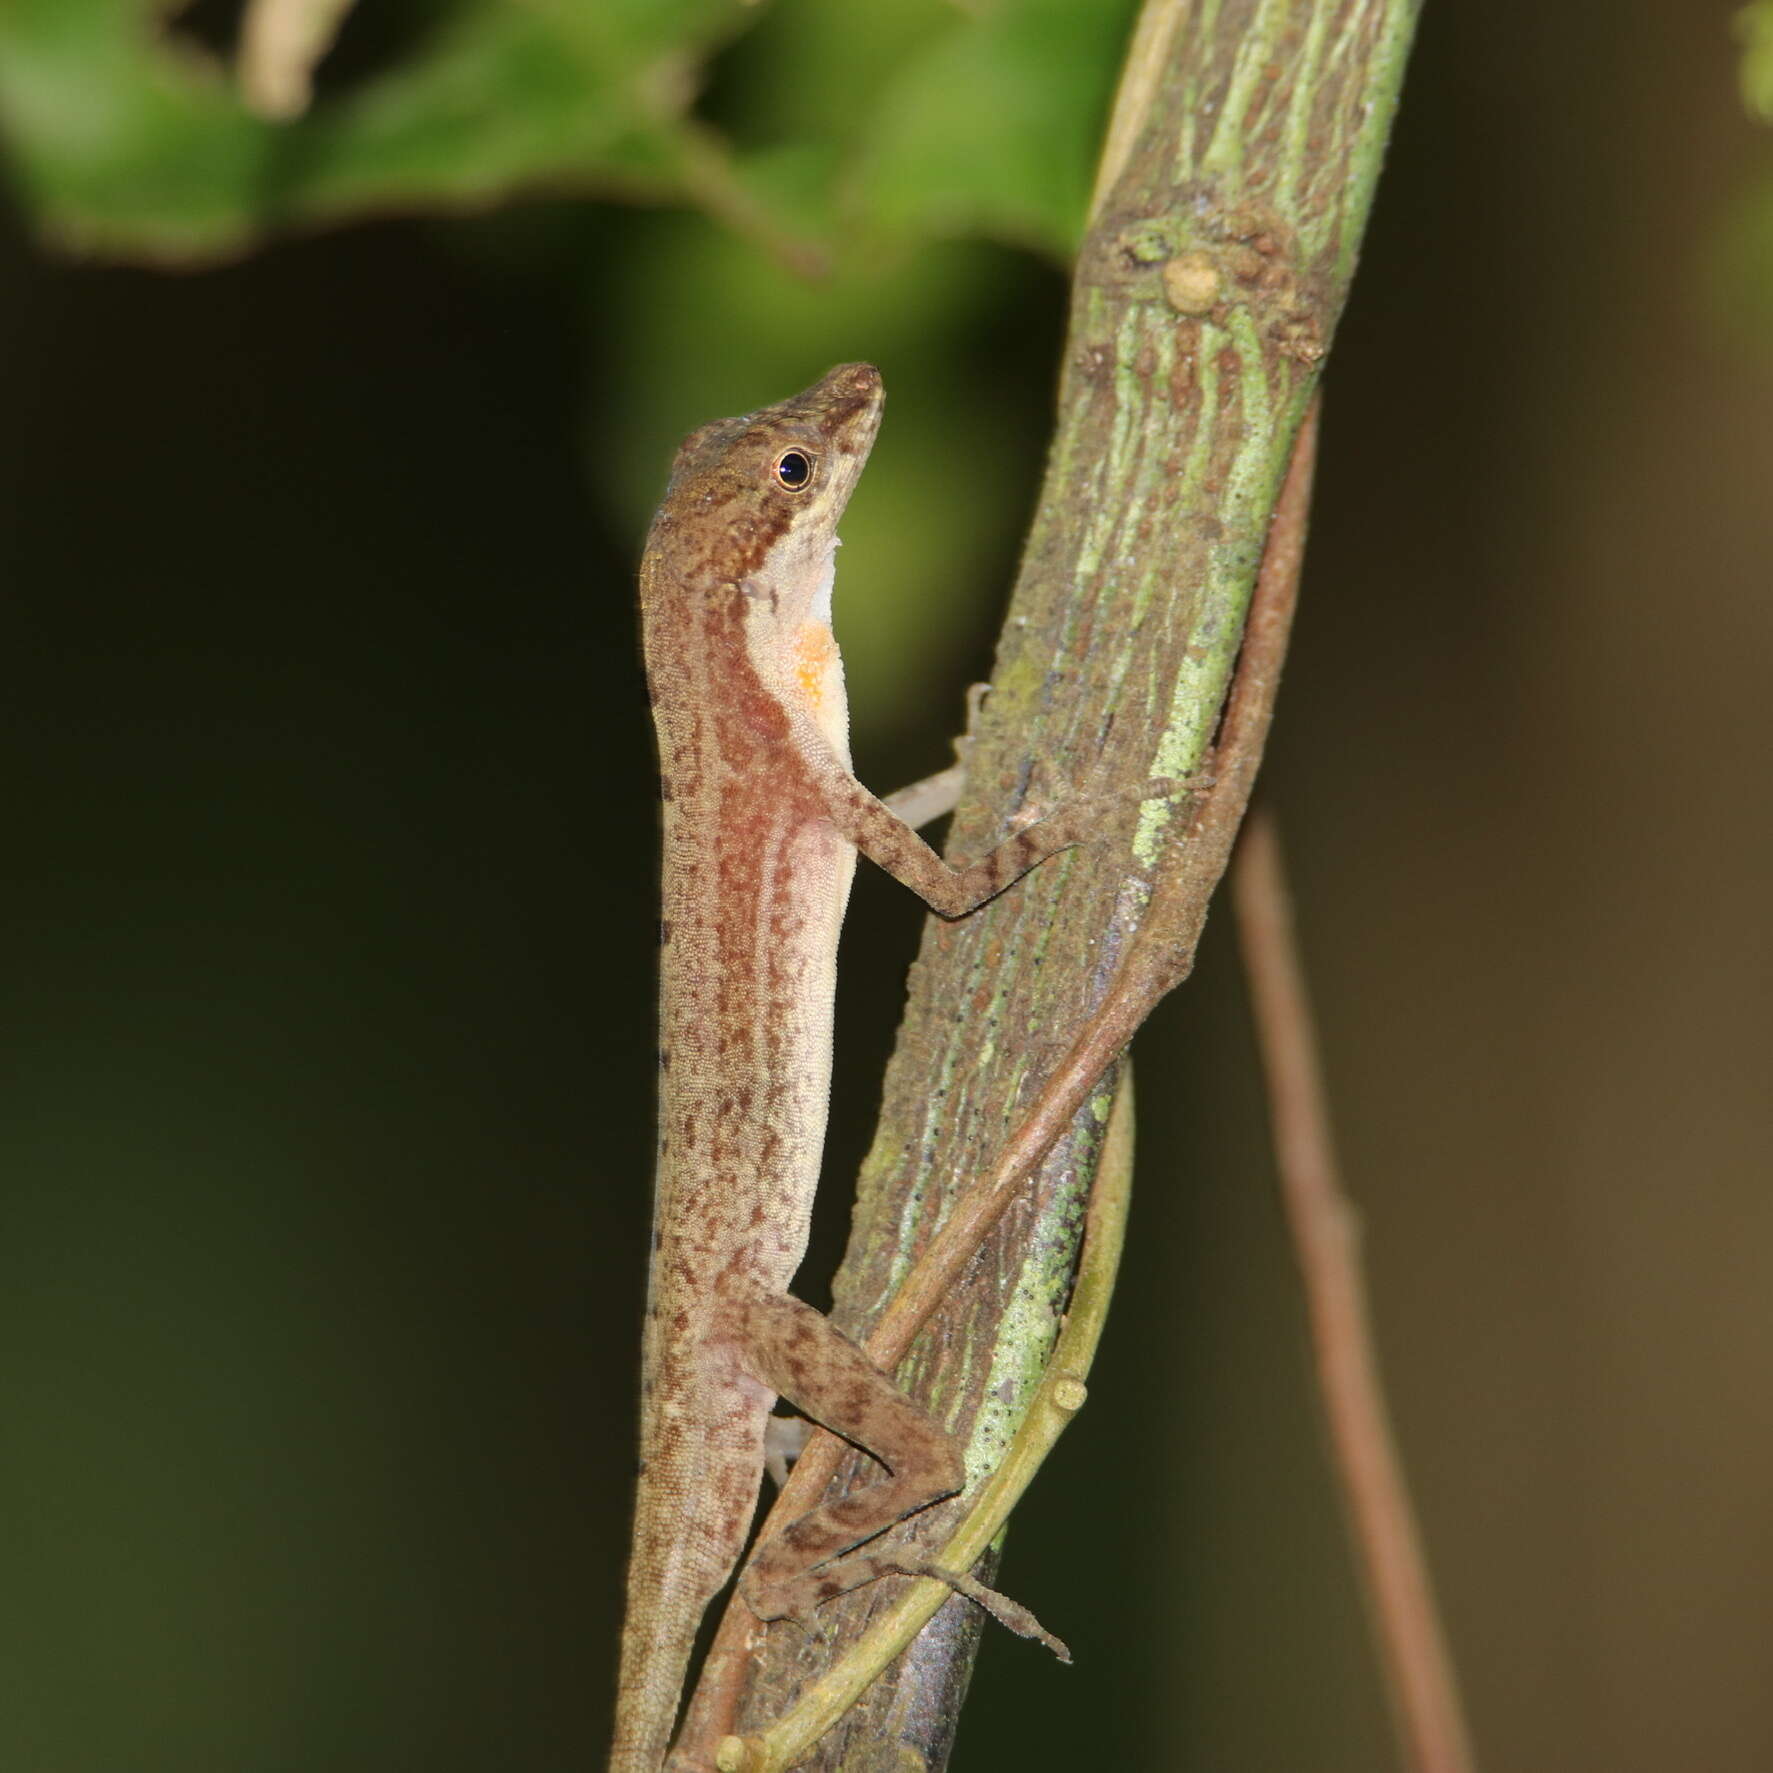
{"points": [[813, 71], [1754, 27], [994, 128], [1740, 279], [128, 140]]}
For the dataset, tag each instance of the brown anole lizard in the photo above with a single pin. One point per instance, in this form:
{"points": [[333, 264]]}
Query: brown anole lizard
{"points": [[762, 822]]}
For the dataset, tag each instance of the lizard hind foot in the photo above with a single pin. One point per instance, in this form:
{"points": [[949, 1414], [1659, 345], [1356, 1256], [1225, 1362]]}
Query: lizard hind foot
{"points": [[1012, 1615], [773, 1598]]}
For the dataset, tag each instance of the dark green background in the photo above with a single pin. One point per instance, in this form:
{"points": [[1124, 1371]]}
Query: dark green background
{"points": [[325, 1026]]}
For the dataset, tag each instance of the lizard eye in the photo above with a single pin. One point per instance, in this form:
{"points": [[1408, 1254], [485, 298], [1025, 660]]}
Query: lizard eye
{"points": [[794, 470]]}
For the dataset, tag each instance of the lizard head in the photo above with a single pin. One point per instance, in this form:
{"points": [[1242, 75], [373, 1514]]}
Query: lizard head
{"points": [[754, 502]]}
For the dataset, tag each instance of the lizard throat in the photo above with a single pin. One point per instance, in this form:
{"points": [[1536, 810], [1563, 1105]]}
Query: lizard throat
{"points": [[820, 608], [818, 675]]}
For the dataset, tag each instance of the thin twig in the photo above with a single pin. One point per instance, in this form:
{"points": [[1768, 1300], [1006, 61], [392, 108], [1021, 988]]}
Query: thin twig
{"points": [[1326, 1241]]}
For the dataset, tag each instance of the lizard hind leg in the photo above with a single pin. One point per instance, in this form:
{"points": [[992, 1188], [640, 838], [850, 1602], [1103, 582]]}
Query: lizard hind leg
{"points": [[802, 1355]]}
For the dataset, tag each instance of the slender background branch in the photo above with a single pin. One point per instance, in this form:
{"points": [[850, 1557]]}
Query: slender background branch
{"points": [[1326, 1242]]}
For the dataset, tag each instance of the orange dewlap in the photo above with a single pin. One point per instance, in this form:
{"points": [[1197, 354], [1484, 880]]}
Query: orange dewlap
{"points": [[815, 652]]}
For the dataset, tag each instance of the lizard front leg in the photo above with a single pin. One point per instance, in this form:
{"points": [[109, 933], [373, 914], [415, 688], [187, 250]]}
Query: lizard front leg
{"points": [[882, 829]]}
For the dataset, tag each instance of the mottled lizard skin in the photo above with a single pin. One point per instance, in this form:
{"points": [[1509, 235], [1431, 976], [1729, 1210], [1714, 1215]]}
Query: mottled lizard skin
{"points": [[762, 821]]}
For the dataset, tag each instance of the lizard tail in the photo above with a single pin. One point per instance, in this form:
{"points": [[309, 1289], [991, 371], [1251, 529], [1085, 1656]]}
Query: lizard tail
{"points": [[689, 1528]]}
